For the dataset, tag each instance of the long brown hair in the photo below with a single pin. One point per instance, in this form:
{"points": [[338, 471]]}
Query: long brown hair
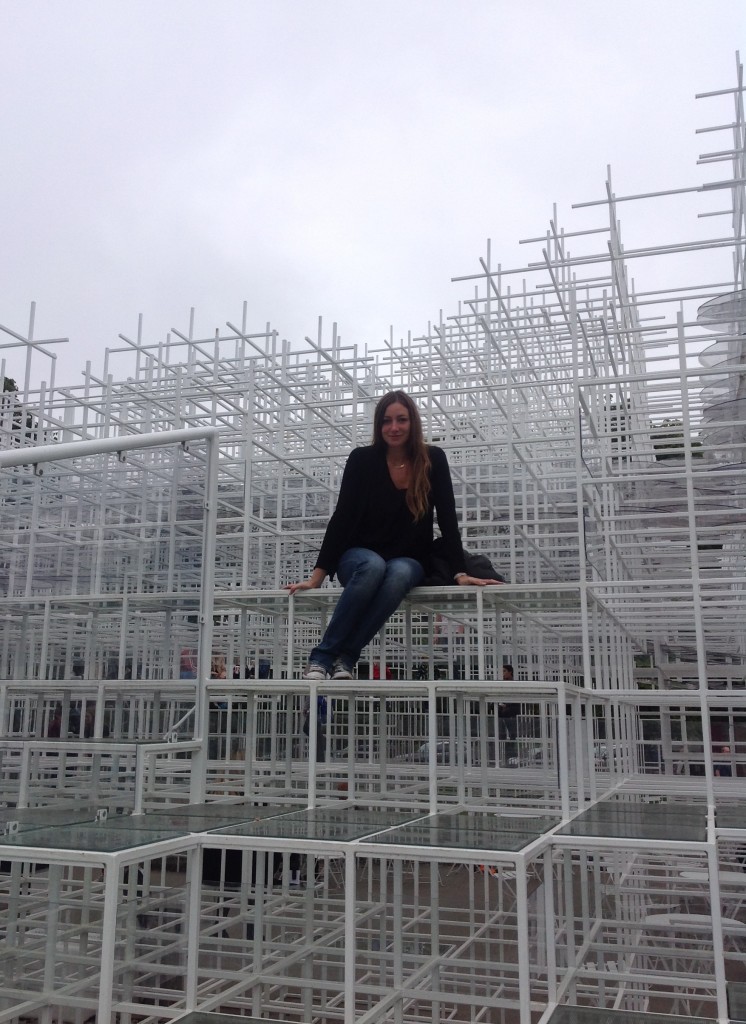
{"points": [[418, 492]]}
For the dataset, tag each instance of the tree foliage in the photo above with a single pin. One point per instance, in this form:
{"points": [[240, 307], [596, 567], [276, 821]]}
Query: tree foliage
{"points": [[668, 440]]}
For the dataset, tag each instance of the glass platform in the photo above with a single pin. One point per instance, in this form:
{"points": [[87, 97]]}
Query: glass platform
{"points": [[76, 828], [731, 816], [618, 819], [737, 1001], [594, 1015]]}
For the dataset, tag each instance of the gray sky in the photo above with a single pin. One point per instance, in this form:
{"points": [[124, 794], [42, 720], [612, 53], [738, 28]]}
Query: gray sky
{"points": [[325, 158]]}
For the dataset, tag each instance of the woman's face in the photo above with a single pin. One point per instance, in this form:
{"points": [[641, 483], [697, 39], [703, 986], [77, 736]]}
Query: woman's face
{"points": [[395, 425]]}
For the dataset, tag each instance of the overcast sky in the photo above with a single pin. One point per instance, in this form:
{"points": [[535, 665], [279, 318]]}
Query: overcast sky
{"points": [[325, 158]]}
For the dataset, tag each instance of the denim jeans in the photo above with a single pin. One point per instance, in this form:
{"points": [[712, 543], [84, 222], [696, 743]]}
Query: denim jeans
{"points": [[373, 590]]}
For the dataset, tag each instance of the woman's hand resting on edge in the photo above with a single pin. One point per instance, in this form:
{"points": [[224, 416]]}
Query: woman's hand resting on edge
{"points": [[474, 581], [313, 582]]}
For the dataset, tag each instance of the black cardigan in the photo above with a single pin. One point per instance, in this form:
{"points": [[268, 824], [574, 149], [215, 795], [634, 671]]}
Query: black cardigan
{"points": [[372, 513]]}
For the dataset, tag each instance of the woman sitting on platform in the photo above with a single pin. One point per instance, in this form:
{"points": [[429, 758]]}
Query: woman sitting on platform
{"points": [[380, 536]]}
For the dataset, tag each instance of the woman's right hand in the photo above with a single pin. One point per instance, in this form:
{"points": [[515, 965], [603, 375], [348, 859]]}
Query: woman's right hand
{"points": [[303, 585], [313, 582]]}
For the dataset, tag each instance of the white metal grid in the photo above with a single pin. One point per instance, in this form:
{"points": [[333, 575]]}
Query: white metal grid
{"points": [[591, 405]]}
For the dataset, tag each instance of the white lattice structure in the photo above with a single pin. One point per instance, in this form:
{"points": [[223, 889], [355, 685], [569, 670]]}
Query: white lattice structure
{"points": [[149, 518]]}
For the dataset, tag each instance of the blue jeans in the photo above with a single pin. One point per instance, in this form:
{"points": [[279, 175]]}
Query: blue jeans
{"points": [[373, 590]]}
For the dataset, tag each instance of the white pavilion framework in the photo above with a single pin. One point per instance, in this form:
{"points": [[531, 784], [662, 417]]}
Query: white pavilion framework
{"points": [[183, 840]]}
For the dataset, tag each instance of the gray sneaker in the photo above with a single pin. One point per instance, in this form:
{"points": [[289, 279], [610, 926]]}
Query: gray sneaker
{"points": [[315, 671], [341, 670]]}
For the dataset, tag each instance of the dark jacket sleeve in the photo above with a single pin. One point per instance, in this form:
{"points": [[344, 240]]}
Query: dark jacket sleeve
{"points": [[444, 502], [341, 526]]}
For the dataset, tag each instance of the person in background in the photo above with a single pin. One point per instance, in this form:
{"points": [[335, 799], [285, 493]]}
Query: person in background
{"points": [[188, 663], [723, 769], [380, 536], [322, 717], [55, 723], [508, 718]]}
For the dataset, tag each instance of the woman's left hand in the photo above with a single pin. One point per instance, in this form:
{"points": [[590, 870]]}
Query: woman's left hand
{"points": [[474, 581]]}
